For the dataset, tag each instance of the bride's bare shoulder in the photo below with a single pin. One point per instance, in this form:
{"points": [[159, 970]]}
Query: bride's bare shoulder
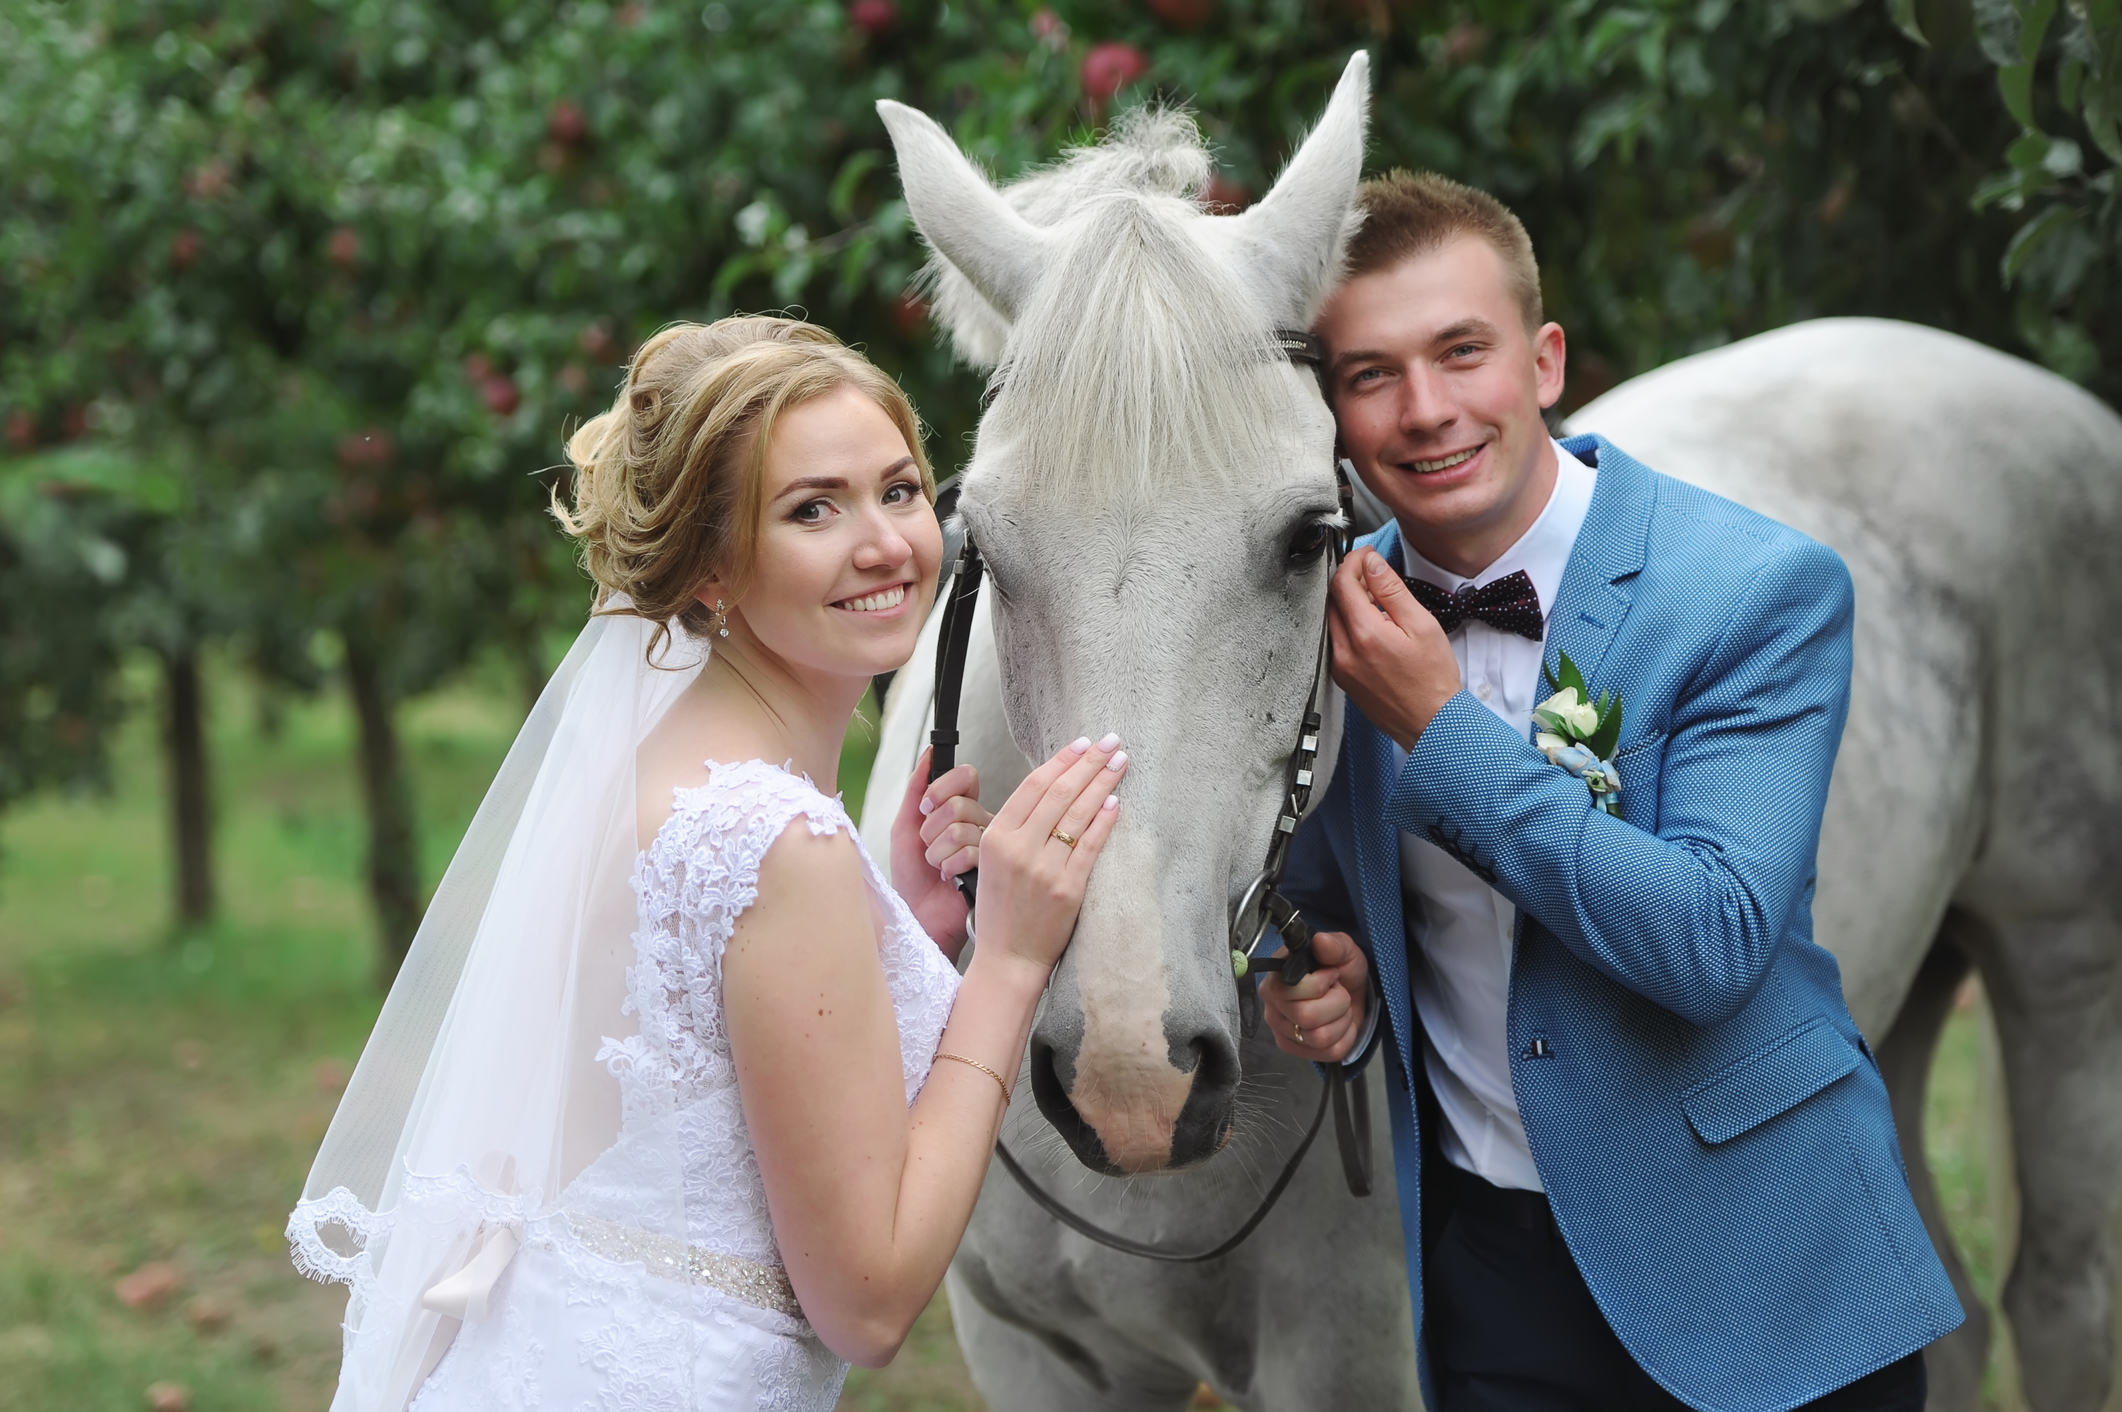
{"points": [[674, 755]]}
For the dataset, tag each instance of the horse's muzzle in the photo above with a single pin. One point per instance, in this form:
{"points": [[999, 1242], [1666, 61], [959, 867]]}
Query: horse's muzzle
{"points": [[1162, 1116]]}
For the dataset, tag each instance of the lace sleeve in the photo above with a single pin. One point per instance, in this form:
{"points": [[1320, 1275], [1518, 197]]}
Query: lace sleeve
{"points": [[697, 877]]}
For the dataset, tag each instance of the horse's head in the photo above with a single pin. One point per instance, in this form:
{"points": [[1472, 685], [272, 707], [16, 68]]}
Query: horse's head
{"points": [[1152, 489]]}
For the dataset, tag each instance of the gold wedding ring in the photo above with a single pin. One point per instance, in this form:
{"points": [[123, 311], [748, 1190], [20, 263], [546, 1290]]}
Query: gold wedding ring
{"points": [[1298, 1031], [1067, 838]]}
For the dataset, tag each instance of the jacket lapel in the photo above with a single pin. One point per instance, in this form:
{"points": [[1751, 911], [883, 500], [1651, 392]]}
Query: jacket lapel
{"points": [[1595, 593], [1370, 757]]}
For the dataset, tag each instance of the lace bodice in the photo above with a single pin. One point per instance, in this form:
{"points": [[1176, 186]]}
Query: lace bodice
{"points": [[695, 879]]}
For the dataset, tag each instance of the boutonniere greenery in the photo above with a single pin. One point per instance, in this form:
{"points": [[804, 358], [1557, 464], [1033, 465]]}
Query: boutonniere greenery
{"points": [[1579, 734]]}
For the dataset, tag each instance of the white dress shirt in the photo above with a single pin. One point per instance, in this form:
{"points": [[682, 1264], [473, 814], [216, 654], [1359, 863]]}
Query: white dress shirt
{"points": [[1458, 927]]}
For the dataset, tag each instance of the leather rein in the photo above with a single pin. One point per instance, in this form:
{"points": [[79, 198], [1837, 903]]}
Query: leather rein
{"points": [[1262, 908]]}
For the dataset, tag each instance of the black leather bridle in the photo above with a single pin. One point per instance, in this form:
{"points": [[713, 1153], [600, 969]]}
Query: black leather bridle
{"points": [[1261, 909]]}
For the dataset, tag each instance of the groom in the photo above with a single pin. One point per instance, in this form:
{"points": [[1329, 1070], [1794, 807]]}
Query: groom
{"points": [[1645, 1158]]}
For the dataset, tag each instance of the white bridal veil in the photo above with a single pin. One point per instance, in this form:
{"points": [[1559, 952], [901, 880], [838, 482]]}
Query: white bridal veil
{"points": [[481, 1093]]}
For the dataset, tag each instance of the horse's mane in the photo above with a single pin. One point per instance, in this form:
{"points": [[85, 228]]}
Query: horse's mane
{"points": [[1144, 351]]}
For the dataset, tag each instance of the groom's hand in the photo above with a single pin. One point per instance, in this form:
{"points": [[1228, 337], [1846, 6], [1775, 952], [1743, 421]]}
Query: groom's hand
{"points": [[1390, 655], [1320, 1018]]}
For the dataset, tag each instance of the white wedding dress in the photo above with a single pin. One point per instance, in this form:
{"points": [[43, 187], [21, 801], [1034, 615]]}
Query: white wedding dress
{"points": [[594, 1311]]}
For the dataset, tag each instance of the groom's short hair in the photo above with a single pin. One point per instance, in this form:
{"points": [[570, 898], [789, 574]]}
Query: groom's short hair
{"points": [[1412, 213]]}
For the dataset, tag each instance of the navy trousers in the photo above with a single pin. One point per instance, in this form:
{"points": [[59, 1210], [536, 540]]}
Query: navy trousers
{"points": [[1512, 1327]]}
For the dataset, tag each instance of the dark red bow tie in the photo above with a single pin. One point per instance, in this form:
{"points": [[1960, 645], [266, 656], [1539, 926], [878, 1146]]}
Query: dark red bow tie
{"points": [[1510, 604]]}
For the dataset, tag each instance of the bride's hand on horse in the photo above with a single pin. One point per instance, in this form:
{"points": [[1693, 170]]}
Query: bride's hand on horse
{"points": [[1031, 877], [936, 837], [1390, 654], [1320, 1017]]}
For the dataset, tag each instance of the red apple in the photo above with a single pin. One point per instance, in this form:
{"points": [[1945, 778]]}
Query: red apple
{"points": [[184, 248], [1110, 67], [1463, 42], [345, 247], [500, 395], [1225, 197], [873, 17], [210, 181], [364, 450], [1183, 14], [565, 123]]}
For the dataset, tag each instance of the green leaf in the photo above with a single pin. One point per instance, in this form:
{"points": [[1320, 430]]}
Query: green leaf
{"points": [[841, 202], [2007, 189], [2030, 237], [1571, 677], [1904, 17], [1549, 721], [2034, 18], [2029, 153], [2100, 113], [1997, 27], [1604, 739], [2016, 83]]}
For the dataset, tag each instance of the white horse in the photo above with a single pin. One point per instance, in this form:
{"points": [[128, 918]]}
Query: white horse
{"points": [[1145, 486]]}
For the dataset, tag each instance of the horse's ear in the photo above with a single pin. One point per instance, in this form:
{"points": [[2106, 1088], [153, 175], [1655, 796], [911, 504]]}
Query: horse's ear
{"points": [[1289, 247], [963, 217]]}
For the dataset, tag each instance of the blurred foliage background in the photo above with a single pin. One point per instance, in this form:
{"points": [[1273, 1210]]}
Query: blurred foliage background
{"points": [[298, 299]]}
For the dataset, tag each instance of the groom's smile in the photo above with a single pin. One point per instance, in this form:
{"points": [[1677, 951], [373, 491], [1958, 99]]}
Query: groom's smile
{"points": [[1442, 463]]}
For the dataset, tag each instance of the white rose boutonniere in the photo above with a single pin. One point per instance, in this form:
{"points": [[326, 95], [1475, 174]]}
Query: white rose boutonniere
{"points": [[1579, 734]]}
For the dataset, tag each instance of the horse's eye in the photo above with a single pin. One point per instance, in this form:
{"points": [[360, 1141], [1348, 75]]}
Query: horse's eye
{"points": [[1309, 542]]}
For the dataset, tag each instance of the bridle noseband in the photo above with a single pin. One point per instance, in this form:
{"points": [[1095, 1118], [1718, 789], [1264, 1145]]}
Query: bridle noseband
{"points": [[1261, 909]]}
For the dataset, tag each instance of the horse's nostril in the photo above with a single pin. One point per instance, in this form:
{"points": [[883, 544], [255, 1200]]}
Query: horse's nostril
{"points": [[1052, 1098], [1204, 1123]]}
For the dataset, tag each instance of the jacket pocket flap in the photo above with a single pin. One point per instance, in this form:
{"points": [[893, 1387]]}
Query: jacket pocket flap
{"points": [[1774, 1080]]}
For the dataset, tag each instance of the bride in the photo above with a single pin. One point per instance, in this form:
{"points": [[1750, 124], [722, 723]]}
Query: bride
{"points": [[676, 1103]]}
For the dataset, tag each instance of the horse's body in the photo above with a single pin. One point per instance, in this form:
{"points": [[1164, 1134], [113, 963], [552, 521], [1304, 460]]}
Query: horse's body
{"points": [[1975, 809]]}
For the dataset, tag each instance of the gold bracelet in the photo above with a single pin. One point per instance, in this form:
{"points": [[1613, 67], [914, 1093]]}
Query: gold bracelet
{"points": [[983, 1069]]}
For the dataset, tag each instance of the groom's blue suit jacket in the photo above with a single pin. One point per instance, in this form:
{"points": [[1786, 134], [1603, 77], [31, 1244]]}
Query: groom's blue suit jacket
{"points": [[1711, 1128]]}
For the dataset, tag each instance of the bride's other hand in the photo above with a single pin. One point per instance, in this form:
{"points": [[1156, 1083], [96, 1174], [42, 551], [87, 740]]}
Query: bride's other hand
{"points": [[935, 838], [1031, 880]]}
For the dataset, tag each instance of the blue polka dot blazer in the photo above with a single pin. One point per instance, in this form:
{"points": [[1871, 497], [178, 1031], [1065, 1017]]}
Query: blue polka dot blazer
{"points": [[1712, 1131]]}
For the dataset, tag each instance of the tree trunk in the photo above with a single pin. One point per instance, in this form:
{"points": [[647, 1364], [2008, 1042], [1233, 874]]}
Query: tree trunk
{"points": [[191, 808], [393, 875]]}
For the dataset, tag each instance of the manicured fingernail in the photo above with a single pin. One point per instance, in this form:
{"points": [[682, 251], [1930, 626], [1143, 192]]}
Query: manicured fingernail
{"points": [[1375, 567], [943, 873], [1080, 744], [928, 806], [1112, 801], [1118, 761], [1109, 742]]}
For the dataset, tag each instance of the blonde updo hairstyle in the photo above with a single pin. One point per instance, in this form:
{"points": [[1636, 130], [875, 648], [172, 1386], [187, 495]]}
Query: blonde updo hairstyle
{"points": [[668, 483]]}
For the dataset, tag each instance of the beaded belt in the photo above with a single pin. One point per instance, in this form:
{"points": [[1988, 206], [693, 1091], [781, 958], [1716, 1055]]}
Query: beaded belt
{"points": [[761, 1285]]}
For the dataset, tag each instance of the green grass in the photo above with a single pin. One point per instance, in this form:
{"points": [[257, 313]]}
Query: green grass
{"points": [[161, 1097]]}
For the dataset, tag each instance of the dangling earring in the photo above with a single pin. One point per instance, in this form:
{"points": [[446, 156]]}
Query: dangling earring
{"points": [[721, 619]]}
